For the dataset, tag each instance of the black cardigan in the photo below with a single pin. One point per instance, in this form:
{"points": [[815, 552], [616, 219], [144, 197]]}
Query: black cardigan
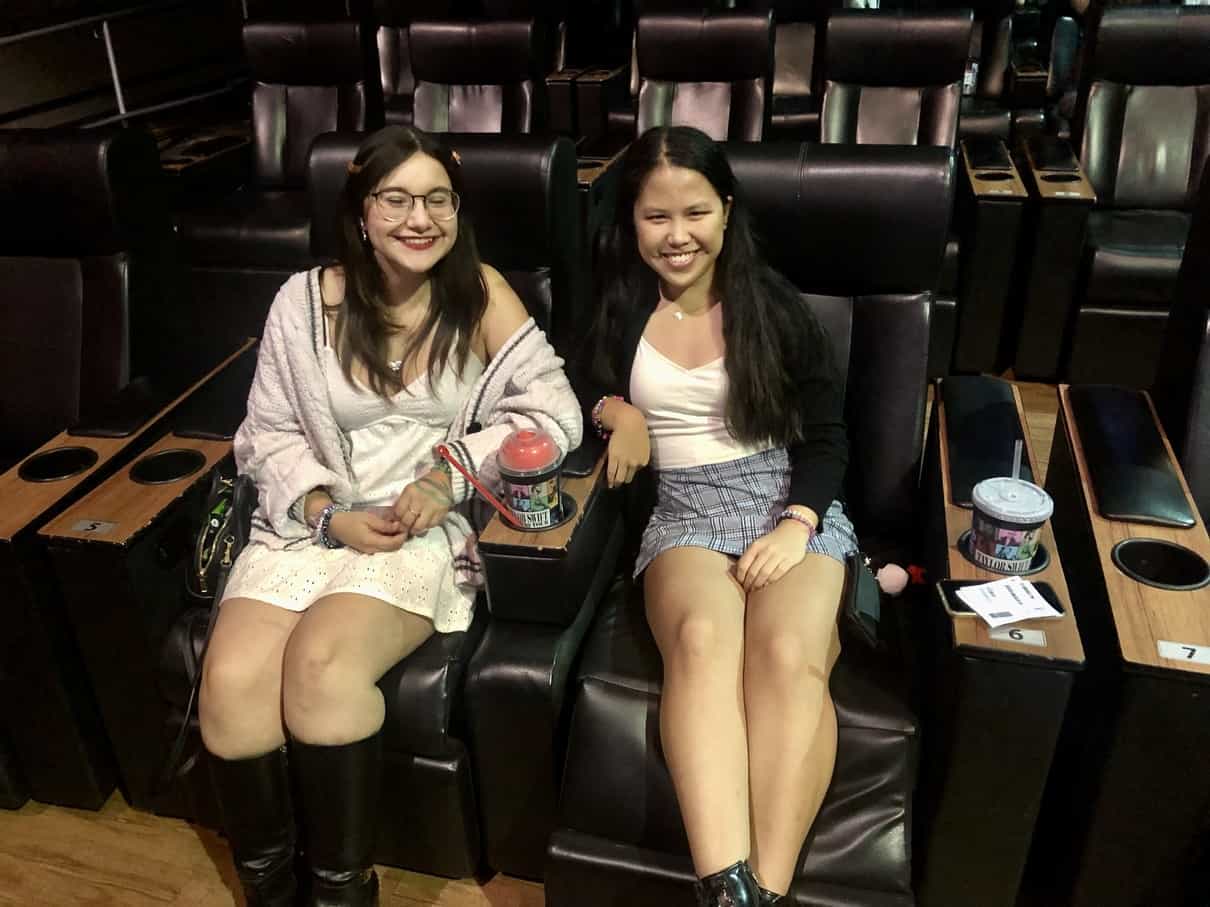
{"points": [[817, 463]]}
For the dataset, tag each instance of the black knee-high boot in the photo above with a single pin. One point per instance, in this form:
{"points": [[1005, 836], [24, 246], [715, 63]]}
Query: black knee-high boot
{"points": [[254, 795], [730, 887], [339, 786], [769, 899]]}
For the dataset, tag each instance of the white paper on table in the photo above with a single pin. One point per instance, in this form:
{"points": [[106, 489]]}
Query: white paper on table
{"points": [[1006, 601]]}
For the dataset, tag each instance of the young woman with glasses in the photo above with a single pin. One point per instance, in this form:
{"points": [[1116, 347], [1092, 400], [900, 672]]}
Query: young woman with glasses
{"points": [[361, 545]]}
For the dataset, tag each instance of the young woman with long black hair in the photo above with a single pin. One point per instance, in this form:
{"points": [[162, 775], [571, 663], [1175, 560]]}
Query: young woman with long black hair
{"points": [[707, 363]]}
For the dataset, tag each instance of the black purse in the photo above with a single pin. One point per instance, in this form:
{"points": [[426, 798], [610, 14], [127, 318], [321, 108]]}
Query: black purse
{"points": [[226, 525], [861, 601]]}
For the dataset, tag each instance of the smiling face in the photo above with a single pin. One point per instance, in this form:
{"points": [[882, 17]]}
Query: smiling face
{"points": [[418, 241], [680, 220]]}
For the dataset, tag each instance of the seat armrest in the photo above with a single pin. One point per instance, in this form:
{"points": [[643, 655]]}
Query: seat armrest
{"points": [[982, 428], [215, 410], [597, 92], [1133, 478], [1062, 198], [990, 171], [123, 415], [561, 101], [544, 577]]}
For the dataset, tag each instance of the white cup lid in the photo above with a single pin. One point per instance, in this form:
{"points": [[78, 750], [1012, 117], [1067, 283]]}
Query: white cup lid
{"points": [[1012, 500]]}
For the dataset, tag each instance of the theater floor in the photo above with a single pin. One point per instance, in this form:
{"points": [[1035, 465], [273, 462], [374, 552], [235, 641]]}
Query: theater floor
{"points": [[51, 857]]}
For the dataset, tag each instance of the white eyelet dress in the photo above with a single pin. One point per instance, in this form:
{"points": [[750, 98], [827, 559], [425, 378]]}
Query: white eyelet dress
{"points": [[391, 444]]}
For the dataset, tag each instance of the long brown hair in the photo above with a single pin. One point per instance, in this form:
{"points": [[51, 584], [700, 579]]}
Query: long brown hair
{"points": [[458, 294]]}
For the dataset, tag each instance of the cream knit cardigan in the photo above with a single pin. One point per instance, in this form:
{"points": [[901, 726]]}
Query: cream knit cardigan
{"points": [[289, 442]]}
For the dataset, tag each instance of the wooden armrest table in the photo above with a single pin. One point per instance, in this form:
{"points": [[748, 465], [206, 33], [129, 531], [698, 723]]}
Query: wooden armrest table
{"points": [[994, 710]]}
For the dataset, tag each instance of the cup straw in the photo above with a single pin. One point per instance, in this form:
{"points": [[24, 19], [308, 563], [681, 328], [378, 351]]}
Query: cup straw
{"points": [[1017, 460]]}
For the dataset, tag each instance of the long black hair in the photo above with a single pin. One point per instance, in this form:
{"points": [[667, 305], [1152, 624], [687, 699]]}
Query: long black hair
{"points": [[458, 294], [774, 342]]}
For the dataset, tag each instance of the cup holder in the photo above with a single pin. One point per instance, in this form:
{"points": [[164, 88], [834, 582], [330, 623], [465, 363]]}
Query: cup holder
{"points": [[1060, 177], [1040, 562], [167, 466], [994, 176], [60, 463], [1162, 564]]}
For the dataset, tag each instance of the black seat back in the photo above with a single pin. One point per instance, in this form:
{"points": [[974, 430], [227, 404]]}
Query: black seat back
{"points": [[816, 208], [308, 78], [894, 78], [80, 254], [1146, 123], [477, 76], [711, 71]]}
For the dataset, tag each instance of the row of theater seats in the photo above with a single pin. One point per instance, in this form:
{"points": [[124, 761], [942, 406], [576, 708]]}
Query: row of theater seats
{"points": [[528, 743], [1061, 263]]}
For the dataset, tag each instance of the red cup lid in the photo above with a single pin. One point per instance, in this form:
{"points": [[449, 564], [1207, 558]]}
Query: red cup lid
{"points": [[528, 452]]}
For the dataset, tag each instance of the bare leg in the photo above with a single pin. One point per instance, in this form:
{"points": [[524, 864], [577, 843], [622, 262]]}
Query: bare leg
{"points": [[696, 612], [342, 646], [240, 700], [791, 644]]}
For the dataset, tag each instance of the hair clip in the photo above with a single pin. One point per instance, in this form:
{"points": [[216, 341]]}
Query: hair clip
{"points": [[456, 156], [354, 168]]}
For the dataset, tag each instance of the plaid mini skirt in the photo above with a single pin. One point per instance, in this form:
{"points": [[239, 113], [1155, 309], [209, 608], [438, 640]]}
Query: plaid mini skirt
{"points": [[727, 506]]}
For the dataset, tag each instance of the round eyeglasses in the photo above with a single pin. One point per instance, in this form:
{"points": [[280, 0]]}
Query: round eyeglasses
{"points": [[395, 204]]}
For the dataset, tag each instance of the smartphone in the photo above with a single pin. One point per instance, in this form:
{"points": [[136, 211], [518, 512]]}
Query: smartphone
{"points": [[956, 607]]}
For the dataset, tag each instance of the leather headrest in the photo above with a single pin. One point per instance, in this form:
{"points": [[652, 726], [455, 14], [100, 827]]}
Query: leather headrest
{"points": [[73, 192], [512, 187], [849, 220], [305, 53], [1153, 46], [878, 47], [474, 53], [724, 47]]}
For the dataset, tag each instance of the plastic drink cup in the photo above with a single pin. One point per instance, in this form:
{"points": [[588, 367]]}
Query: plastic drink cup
{"points": [[1006, 524], [530, 463]]}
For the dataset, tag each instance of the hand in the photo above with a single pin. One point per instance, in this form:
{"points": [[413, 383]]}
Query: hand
{"points": [[629, 443], [424, 503], [772, 556], [365, 531]]}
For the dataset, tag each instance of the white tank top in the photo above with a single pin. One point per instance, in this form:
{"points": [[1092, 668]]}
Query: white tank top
{"points": [[685, 411]]}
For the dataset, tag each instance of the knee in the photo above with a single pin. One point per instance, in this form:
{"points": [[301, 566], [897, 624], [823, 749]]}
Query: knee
{"points": [[698, 640], [786, 660], [316, 675], [231, 686]]}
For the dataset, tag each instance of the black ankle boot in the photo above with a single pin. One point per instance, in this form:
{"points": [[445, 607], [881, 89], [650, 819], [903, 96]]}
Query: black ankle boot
{"points": [[254, 795], [339, 787], [730, 887]]}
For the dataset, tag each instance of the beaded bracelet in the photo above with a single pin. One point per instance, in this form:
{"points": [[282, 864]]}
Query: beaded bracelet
{"points": [[324, 521], [797, 517], [597, 409]]}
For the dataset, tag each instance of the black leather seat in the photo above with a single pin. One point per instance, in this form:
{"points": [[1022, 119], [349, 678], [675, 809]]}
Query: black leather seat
{"points": [[984, 109], [896, 78], [711, 71], [1145, 141], [473, 76], [620, 838], [309, 78], [85, 267], [797, 45], [436, 812], [1182, 386], [392, 19]]}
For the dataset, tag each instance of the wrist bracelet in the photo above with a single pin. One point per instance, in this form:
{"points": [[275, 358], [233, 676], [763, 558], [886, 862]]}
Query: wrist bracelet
{"points": [[324, 521], [797, 517], [597, 409]]}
